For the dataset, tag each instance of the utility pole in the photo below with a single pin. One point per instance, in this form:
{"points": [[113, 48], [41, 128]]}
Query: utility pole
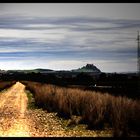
{"points": [[138, 39]]}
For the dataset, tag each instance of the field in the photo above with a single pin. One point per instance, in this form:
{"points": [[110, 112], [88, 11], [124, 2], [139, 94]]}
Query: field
{"points": [[33, 109], [98, 111]]}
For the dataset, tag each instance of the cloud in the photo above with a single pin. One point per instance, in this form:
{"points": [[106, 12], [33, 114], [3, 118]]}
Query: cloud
{"points": [[67, 42], [56, 64], [71, 23]]}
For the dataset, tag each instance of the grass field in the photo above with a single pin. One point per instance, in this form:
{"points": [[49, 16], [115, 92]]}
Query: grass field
{"points": [[98, 111]]}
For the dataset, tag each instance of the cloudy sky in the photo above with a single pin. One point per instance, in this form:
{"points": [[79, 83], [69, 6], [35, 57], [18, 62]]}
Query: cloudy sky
{"points": [[68, 36]]}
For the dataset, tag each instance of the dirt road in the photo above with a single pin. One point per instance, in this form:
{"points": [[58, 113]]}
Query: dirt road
{"points": [[13, 104], [18, 121]]}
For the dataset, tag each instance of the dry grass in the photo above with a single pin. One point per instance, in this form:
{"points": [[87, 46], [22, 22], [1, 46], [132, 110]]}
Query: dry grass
{"points": [[6, 84], [96, 109]]}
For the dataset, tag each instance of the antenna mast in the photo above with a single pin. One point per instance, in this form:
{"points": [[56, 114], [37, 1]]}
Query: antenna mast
{"points": [[138, 39]]}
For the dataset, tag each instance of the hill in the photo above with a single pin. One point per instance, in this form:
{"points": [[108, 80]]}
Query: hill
{"points": [[30, 71], [88, 68]]}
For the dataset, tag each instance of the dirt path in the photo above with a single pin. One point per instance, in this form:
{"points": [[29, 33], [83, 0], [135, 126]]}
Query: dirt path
{"points": [[13, 103], [18, 121]]}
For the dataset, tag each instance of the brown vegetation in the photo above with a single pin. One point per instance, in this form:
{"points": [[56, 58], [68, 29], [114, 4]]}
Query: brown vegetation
{"points": [[6, 84], [96, 109]]}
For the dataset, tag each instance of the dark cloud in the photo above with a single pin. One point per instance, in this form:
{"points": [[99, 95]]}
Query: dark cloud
{"points": [[85, 39], [71, 23]]}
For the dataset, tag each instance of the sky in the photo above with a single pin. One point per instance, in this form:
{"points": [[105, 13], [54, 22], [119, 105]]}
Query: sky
{"points": [[63, 36]]}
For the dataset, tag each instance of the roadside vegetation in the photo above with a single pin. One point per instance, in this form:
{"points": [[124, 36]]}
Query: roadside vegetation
{"points": [[6, 84], [31, 100], [98, 111]]}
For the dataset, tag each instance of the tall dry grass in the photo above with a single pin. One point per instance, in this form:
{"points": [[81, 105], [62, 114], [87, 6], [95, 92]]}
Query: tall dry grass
{"points": [[96, 109], [6, 84]]}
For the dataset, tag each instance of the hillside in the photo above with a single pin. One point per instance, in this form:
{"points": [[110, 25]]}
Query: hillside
{"points": [[30, 71], [88, 68]]}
